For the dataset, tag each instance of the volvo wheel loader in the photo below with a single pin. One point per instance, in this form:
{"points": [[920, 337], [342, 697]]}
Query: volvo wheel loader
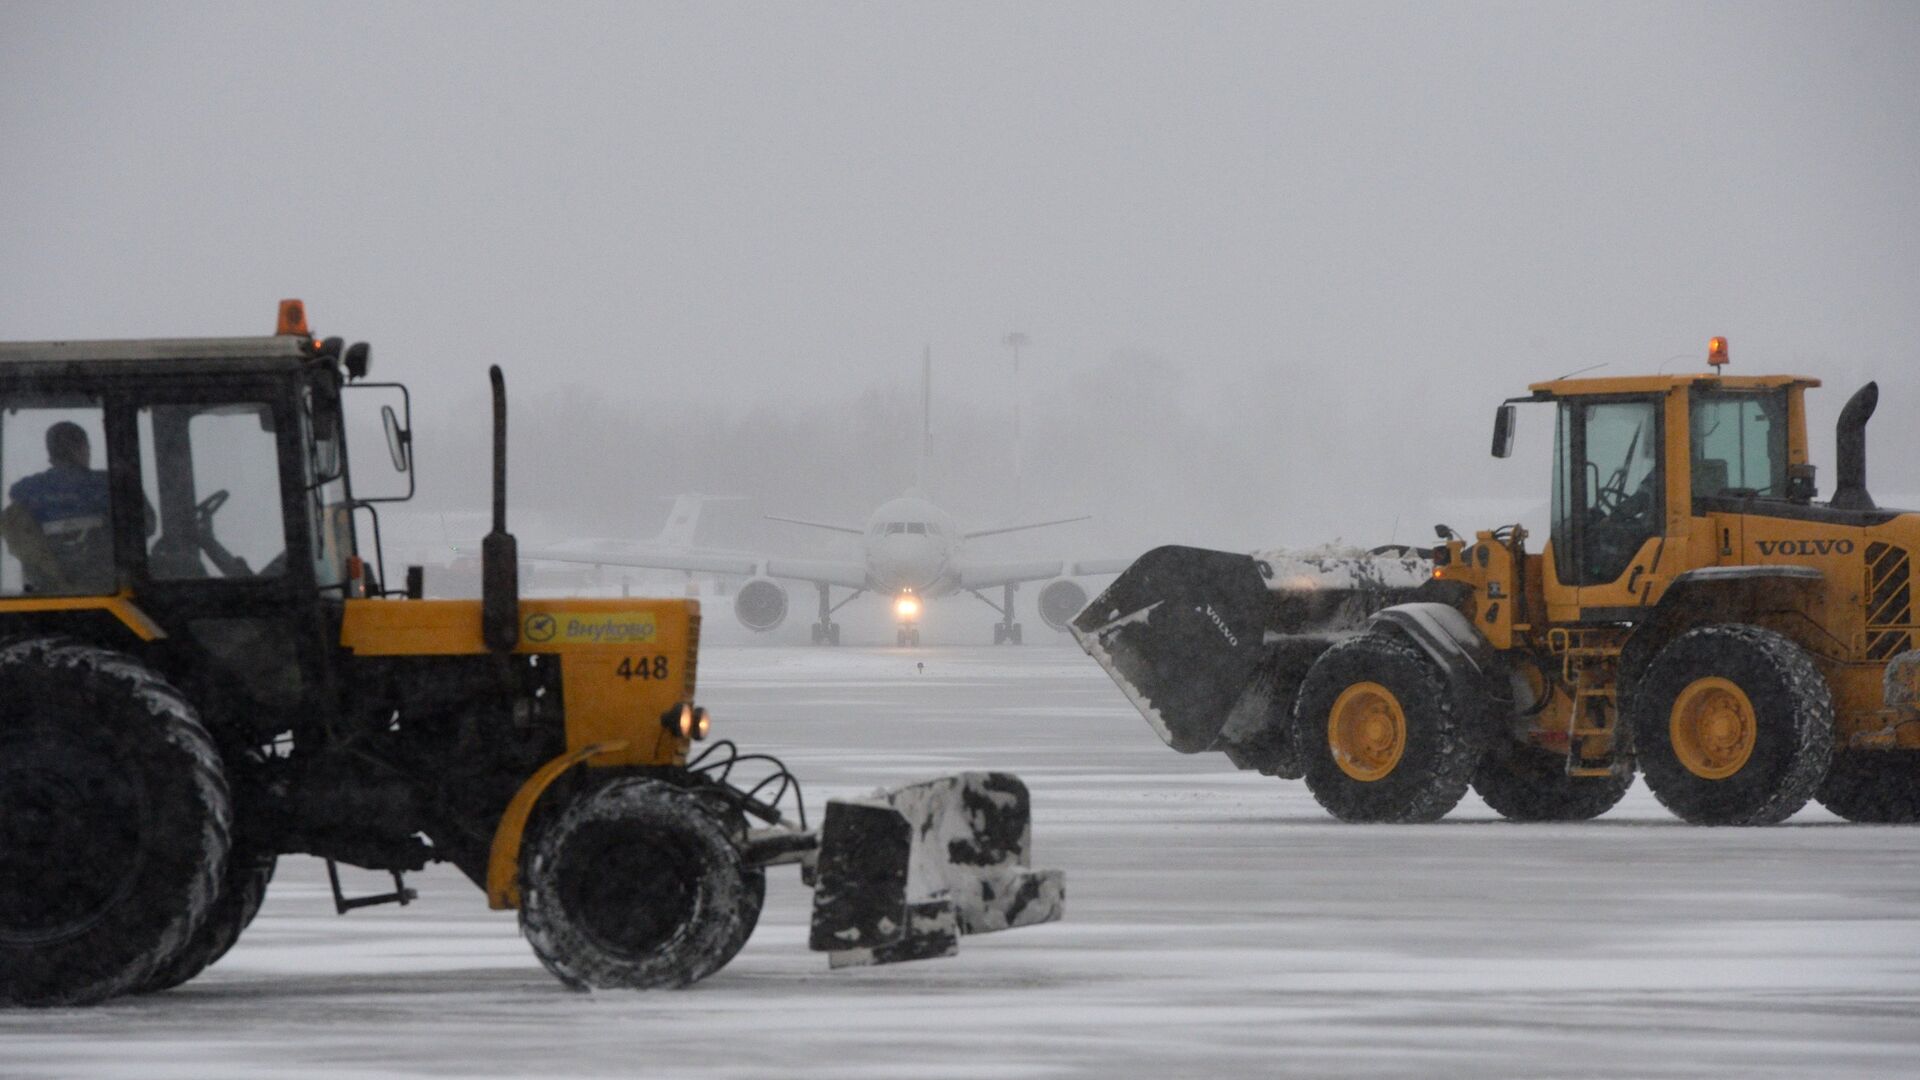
{"points": [[1696, 615], [202, 669]]}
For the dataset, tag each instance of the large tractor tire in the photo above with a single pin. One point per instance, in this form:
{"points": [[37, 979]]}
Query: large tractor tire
{"points": [[241, 893], [1376, 730], [1876, 786], [1732, 725], [1527, 783], [114, 823], [633, 885]]}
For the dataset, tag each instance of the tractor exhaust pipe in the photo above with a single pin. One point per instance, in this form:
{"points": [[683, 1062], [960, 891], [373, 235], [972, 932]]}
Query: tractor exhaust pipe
{"points": [[499, 552], [1850, 438]]}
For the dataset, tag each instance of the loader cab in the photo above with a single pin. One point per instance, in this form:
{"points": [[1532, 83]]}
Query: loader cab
{"points": [[1636, 460]]}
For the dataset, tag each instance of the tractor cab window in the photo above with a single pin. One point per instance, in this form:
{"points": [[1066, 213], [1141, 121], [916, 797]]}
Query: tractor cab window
{"points": [[326, 502], [1739, 443], [1607, 493], [55, 528], [213, 473]]}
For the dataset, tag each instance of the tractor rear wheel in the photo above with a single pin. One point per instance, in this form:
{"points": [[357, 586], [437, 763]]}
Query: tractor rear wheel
{"points": [[1876, 786], [241, 893], [114, 823], [1527, 783], [1732, 725], [633, 885], [1376, 730]]}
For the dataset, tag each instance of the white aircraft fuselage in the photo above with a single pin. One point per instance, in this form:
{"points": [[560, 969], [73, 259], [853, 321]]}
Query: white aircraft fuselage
{"points": [[912, 546]]}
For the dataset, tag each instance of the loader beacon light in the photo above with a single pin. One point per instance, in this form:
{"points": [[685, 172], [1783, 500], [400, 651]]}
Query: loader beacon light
{"points": [[907, 607], [1717, 352], [680, 720]]}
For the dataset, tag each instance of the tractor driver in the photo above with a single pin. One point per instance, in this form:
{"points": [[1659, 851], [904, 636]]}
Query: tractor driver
{"points": [[57, 520]]}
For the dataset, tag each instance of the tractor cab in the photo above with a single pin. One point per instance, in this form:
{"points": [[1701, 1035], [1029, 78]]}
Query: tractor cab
{"points": [[189, 498]]}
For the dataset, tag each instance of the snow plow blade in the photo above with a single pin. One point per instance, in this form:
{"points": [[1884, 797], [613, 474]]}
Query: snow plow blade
{"points": [[902, 874], [1211, 646]]}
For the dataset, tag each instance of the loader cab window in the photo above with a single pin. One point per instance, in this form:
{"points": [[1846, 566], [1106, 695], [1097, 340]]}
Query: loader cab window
{"points": [[1608, 498], [1739, 443], [55, 528], [213, 473]]}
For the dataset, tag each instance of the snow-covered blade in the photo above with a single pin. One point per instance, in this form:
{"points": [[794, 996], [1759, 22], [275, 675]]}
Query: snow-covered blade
{"points": [[903, 873], [1210, 646]]}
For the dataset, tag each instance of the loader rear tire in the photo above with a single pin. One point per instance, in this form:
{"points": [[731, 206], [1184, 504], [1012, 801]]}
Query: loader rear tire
{"points": [[115, 822], [1376, 730], [1732, 725], [633, 885], [1874, 786], [1527, 783]]}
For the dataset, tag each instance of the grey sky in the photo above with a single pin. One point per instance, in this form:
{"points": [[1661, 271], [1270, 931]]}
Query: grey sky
{"points": [[1343, 232]]}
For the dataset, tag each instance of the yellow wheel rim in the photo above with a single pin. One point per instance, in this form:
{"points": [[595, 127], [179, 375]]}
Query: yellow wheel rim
{"points": [[1367, 731], [1713, 728]]}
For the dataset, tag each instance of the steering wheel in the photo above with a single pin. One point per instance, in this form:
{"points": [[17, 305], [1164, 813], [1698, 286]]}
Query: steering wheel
{"points": [[204, 510], [1613, 492]]}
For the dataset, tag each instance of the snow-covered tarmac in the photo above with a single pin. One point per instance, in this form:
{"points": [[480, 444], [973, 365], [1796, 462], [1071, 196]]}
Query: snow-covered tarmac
{"points": [[1218, 924]]}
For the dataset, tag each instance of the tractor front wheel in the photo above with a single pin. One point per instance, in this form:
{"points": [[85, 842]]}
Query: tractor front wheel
{"points": [[1376, 729], [1732, 725], [633, 885]]}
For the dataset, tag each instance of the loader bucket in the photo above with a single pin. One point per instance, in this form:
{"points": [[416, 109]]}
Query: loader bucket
{"points": [[903, 873], [1211, 646]]}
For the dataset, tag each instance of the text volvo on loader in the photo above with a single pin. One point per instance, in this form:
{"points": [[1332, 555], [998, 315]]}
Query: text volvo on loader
{"points": [[199, 672], [1695, 614]]}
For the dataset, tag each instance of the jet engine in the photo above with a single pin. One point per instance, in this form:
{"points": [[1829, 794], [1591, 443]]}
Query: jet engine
{"points": [[761, 604], [1060, 600]]}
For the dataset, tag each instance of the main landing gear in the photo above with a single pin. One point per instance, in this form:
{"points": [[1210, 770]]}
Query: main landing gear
{"points": [[826, 631], [1006, 631]]}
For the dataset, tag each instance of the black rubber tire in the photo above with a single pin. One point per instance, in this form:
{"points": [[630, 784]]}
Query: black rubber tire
{"points": [[633, 885], [241, 893], [1793, 725], [115, 822], [1440, 752], [1873, 786], [1526, 783]]}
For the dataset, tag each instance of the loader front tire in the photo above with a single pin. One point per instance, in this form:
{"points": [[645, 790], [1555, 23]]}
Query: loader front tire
{"points": [[1527, 783], [1732, 725], [1879, 787], [115, 822], [633, 885], [1376, 730]]}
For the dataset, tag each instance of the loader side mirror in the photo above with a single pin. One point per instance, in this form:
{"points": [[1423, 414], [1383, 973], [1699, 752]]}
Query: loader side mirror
{"points": [[399, 439], [1503, 431]]}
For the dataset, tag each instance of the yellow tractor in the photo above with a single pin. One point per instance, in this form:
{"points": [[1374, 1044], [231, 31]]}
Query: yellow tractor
{"points": [[201, 670], [1695, 615]]}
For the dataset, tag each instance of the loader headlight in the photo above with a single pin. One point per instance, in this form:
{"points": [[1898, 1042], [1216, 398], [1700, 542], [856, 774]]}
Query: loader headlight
{"points": [[702, 723]]}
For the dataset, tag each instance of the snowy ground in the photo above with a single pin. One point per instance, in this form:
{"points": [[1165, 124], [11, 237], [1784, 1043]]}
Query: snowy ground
{"points": [[1219, 924]]}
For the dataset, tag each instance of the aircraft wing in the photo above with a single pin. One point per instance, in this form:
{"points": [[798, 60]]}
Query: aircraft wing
{"points": [[1090, 567], [851, 575], [697, 562], [986, 575]]}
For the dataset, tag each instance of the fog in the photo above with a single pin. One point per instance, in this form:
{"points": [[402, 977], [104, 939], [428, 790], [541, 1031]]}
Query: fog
{"points": [[1277, 264]]}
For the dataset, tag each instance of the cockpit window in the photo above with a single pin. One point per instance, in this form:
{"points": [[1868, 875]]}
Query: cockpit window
{"points": [[896, 527], [917, 527]]}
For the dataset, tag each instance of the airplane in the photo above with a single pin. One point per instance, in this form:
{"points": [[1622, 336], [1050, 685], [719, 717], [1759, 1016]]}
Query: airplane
{"points": [[912, 552]]}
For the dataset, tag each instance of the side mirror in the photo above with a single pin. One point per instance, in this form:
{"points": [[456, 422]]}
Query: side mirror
{"points": [[399, 439], [1503, 431]]}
